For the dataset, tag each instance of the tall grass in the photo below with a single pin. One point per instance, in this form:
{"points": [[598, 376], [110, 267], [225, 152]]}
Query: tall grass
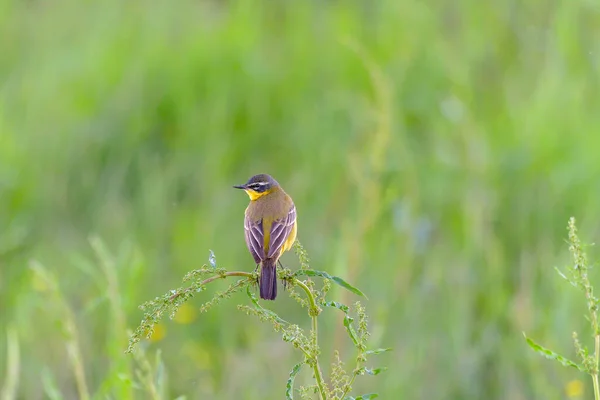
{"points": [[433, 150]]}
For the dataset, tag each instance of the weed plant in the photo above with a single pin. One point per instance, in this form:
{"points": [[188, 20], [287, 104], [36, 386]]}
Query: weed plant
{"points": [[577, 276], [308, 295]]}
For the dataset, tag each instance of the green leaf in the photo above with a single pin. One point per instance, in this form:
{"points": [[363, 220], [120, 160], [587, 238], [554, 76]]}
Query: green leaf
{"points": [[377, 351], [289, 388], [350, 329], [342, 307], [375, 371], [336, 279], [262, 309], [347, 319], [552, 355], [367, 396]]}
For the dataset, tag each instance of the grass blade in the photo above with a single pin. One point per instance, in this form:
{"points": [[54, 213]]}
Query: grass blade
{"points": [[13, 364], [50, 387]]}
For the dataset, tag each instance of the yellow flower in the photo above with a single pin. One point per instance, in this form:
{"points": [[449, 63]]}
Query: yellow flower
{"points": [[185, 314], [574, 388], [159, 333]]}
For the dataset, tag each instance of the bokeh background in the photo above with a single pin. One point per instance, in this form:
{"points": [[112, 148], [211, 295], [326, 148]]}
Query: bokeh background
{"points": [[435, 151]]}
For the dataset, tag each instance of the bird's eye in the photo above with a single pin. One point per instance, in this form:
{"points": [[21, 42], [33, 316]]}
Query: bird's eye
{"points": [[259, 186]]}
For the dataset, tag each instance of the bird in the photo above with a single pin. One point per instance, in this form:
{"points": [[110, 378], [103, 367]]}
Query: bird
{"points": [[270, 228]]}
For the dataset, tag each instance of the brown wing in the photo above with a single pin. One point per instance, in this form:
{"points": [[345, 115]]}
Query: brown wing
{"points": [[253, 233], [280, 230]]}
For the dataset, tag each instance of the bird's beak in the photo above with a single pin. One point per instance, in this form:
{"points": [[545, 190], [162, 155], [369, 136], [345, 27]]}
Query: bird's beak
{"points": [[240, 186]]}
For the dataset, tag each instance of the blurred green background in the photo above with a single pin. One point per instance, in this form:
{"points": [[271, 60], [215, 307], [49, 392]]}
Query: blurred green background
{"points": [[435, 151]]}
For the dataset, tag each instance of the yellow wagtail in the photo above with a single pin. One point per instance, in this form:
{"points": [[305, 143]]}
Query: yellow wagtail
{"points": [[269, 228]]}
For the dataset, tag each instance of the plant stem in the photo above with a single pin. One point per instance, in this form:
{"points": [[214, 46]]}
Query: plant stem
{"points": [[595, 374], [214, 278], [226, 274], [592, 305], [313, 311], [354, 375], [317, 367], [311, 298]]}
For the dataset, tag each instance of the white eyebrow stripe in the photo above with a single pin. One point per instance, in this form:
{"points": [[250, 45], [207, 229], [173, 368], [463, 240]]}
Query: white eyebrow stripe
{"points": [[259, 184]]}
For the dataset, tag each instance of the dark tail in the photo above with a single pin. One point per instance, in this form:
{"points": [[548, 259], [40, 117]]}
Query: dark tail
{"points": [[268, 279]]}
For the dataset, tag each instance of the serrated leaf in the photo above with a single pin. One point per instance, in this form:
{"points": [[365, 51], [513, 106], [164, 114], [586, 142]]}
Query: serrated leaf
{"points": [[289, 388], [336, 279], [347, 319], [552, 355], [377, 351], [375, 371], [340, 306]]}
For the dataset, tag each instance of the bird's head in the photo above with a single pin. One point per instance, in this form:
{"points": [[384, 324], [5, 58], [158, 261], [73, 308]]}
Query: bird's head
{"points": [[258, 186]]}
